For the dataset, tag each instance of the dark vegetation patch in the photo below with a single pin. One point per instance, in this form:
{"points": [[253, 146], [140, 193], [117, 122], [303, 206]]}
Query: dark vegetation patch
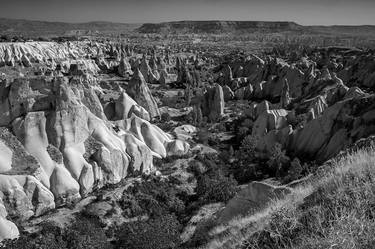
{"points": [[84, 233]]}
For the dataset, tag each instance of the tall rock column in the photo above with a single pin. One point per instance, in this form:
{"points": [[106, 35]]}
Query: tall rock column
{"points": [[139, 91], [285, 99], [213, 106]]}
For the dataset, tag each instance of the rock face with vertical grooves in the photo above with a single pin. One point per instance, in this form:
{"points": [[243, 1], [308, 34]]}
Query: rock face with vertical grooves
{"points": [[57, 145], [139, 91], [213, 102]]}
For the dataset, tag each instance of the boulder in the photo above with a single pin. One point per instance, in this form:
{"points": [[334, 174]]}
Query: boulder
{"points": [[185, 132], [270, 120], [252, 198], [8, 230], [177, 148], [203, 216]]}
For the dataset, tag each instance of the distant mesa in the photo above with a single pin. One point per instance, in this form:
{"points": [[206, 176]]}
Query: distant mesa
{"points": [[217, 26], [33, 28], [36, 29]]}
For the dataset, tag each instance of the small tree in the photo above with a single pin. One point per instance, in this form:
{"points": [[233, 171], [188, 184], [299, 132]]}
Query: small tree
{"points": [[295, 170], [277, 160], [244, 170], [248, 145]]}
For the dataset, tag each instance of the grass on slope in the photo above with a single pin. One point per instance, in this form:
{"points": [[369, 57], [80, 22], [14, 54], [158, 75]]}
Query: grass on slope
{"points": [[335, 210]]}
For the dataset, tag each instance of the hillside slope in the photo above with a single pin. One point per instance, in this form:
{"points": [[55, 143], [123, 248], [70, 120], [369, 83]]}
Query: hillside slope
{"points": [[334, 209]]}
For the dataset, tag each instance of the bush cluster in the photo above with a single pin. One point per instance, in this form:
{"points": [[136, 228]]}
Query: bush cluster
{"points": [[249, 167], [153, 198], [214, 184], [216, 188], [160, 232], [84, 233]]}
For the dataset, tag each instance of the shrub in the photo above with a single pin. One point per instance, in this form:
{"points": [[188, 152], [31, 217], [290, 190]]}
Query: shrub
{"points": [[203, 136], [244, 170], [294, 171], [130, 206], [245, 173], [150, 205], [153, 197], [243, 131], [278, 161], [86, 233], [215, 188], [50, 237], [41, 241], [248, 146], [158, 233], [165, 117]]}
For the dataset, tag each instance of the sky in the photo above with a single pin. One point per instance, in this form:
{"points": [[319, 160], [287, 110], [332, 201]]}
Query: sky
{"points": [[305, 12]]}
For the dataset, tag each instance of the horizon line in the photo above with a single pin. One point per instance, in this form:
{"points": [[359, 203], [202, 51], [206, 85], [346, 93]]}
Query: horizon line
{"points": [[187, 20]]}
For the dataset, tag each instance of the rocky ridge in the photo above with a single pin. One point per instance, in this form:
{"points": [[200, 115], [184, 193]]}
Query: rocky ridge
{"points": [[57, 144]]}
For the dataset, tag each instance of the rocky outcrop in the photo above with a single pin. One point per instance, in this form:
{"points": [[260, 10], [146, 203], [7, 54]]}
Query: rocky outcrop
{"points": [[244, 93], [22, 193], [126, 106], [166, 78], [160, 143], [251, 198], [139, 91], [339, 125], [39, 52], [270, 120], [149, 75], [359, 71], [8, 230], [124, 68], [213, 102], [63, 146], [285, 99]]}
